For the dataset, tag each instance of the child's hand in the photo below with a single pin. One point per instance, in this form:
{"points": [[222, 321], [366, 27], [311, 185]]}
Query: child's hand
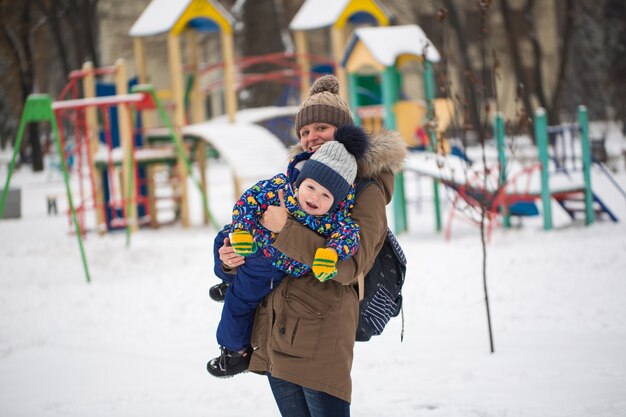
{"points": [[324, 264], [243, 243]]}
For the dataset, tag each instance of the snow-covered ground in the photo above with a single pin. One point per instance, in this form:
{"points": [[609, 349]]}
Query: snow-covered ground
{"points": [[136, 340]]}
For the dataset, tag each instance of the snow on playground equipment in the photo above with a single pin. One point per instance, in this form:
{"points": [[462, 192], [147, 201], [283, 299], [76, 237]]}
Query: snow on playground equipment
{"points": [[222, 79], [188, 17], [509, 189], [41, 108], [245, 144], [116, 202], [122, 124], [383, 52], [567, 164], [335, 15]]}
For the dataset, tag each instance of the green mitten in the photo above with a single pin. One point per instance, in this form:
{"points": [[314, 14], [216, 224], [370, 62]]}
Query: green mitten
{"points": [[243, 243], [324, 264]]}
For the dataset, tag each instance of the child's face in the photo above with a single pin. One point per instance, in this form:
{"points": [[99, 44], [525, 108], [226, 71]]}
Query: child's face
{"points": [[313, 135], [313, 198]]}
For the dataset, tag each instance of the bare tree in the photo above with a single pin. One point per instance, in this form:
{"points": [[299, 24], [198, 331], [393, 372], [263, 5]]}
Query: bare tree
{"points": [[471, 103], [260, 38], [17, 23], [517, 33], [72, 29]]}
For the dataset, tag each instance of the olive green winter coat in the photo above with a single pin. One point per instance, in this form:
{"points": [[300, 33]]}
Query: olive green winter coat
{"points": [[304, 330]]}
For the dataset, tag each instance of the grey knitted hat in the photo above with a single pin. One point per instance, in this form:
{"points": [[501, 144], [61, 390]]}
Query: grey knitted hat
{"points": [[334, 164], [324, 105]]}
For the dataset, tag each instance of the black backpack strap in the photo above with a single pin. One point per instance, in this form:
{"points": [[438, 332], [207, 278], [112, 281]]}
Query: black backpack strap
{"points": [[361, 184]]}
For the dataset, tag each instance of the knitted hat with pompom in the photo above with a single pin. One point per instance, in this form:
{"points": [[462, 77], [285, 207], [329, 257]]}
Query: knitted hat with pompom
{"points": [[324, 105], [334, 164]]}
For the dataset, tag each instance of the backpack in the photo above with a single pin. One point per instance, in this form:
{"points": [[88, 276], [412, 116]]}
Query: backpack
{"points": [[382, 293]]}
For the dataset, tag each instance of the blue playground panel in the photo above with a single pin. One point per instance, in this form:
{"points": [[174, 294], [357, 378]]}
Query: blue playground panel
{"points": [[106, 89]]}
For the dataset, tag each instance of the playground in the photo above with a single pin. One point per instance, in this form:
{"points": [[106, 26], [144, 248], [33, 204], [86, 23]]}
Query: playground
{"points": [[142, 154], [135, 341], [106, 257]]}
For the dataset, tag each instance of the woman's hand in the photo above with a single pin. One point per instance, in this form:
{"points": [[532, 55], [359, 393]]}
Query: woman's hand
{"points": [[228, 256], [275, 217]]}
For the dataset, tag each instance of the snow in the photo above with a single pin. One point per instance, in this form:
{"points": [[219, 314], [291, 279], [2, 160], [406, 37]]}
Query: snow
{"points": [[243, 144], [318, 14], [386, 44], [161, 15], [136, 340], [453, 169]]}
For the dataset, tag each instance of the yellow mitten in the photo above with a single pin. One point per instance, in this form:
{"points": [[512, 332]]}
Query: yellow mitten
{"points": [[324, 264], [243, 243]]}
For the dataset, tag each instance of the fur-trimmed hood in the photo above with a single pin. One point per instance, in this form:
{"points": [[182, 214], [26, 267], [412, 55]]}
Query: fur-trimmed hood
{"points": [[387, 152], [384, 157]]}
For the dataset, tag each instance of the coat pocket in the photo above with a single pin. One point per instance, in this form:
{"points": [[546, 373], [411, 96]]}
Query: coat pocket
{"points": [[259, 328], [297, 329]]}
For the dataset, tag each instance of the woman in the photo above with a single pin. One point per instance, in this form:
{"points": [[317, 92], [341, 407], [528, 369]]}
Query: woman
{"points": [[304, 330]]}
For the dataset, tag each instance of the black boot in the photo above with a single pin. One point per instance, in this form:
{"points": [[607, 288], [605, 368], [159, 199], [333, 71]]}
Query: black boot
{"points": [[218, 292], [229, 363]]}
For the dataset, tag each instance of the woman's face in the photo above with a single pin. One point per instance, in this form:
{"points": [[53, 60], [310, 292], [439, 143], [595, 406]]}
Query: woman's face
{"points": [[314, 198], [313, 135]]}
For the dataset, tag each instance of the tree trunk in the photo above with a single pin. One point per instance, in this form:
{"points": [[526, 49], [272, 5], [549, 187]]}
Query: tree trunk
{"points": [[261, 38], [537, 56], [515, 54], [564, 53], [90, 17], [52, 13], [467, 66], [28, 83]]}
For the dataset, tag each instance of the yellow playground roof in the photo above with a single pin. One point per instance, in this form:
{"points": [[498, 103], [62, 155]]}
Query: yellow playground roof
{"points": [[163, 16], [318, 14]]}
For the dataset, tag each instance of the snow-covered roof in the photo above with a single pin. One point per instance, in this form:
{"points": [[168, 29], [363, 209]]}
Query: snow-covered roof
{"points": [[252, 151], [317, 14], [161, 15], [387, 43]]}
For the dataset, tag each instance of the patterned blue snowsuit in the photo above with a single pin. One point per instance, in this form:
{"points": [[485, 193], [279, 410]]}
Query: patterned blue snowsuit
{"points": [[266, 268]]}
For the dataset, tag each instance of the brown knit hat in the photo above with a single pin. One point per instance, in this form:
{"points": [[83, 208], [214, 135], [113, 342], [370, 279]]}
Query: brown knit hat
{"points": [[324, 105]]}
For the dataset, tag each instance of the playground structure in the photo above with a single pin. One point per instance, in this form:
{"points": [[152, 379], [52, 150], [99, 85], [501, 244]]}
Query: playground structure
{"points": [[334, 15], [121, 163], [192, 81], [41, 108], [115, 131], [125, 135], [374, 60], [116, 197], [562, 174]]}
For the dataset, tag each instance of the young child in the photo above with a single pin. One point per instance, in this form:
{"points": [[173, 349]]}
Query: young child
{"points": [[320, 196]]}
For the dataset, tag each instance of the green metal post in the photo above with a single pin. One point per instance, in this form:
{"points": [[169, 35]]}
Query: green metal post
{"points": [[498, 133], [354, 97], [586, 153], [429, 90], [390, 97], [38, 108], [541, 135]]}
